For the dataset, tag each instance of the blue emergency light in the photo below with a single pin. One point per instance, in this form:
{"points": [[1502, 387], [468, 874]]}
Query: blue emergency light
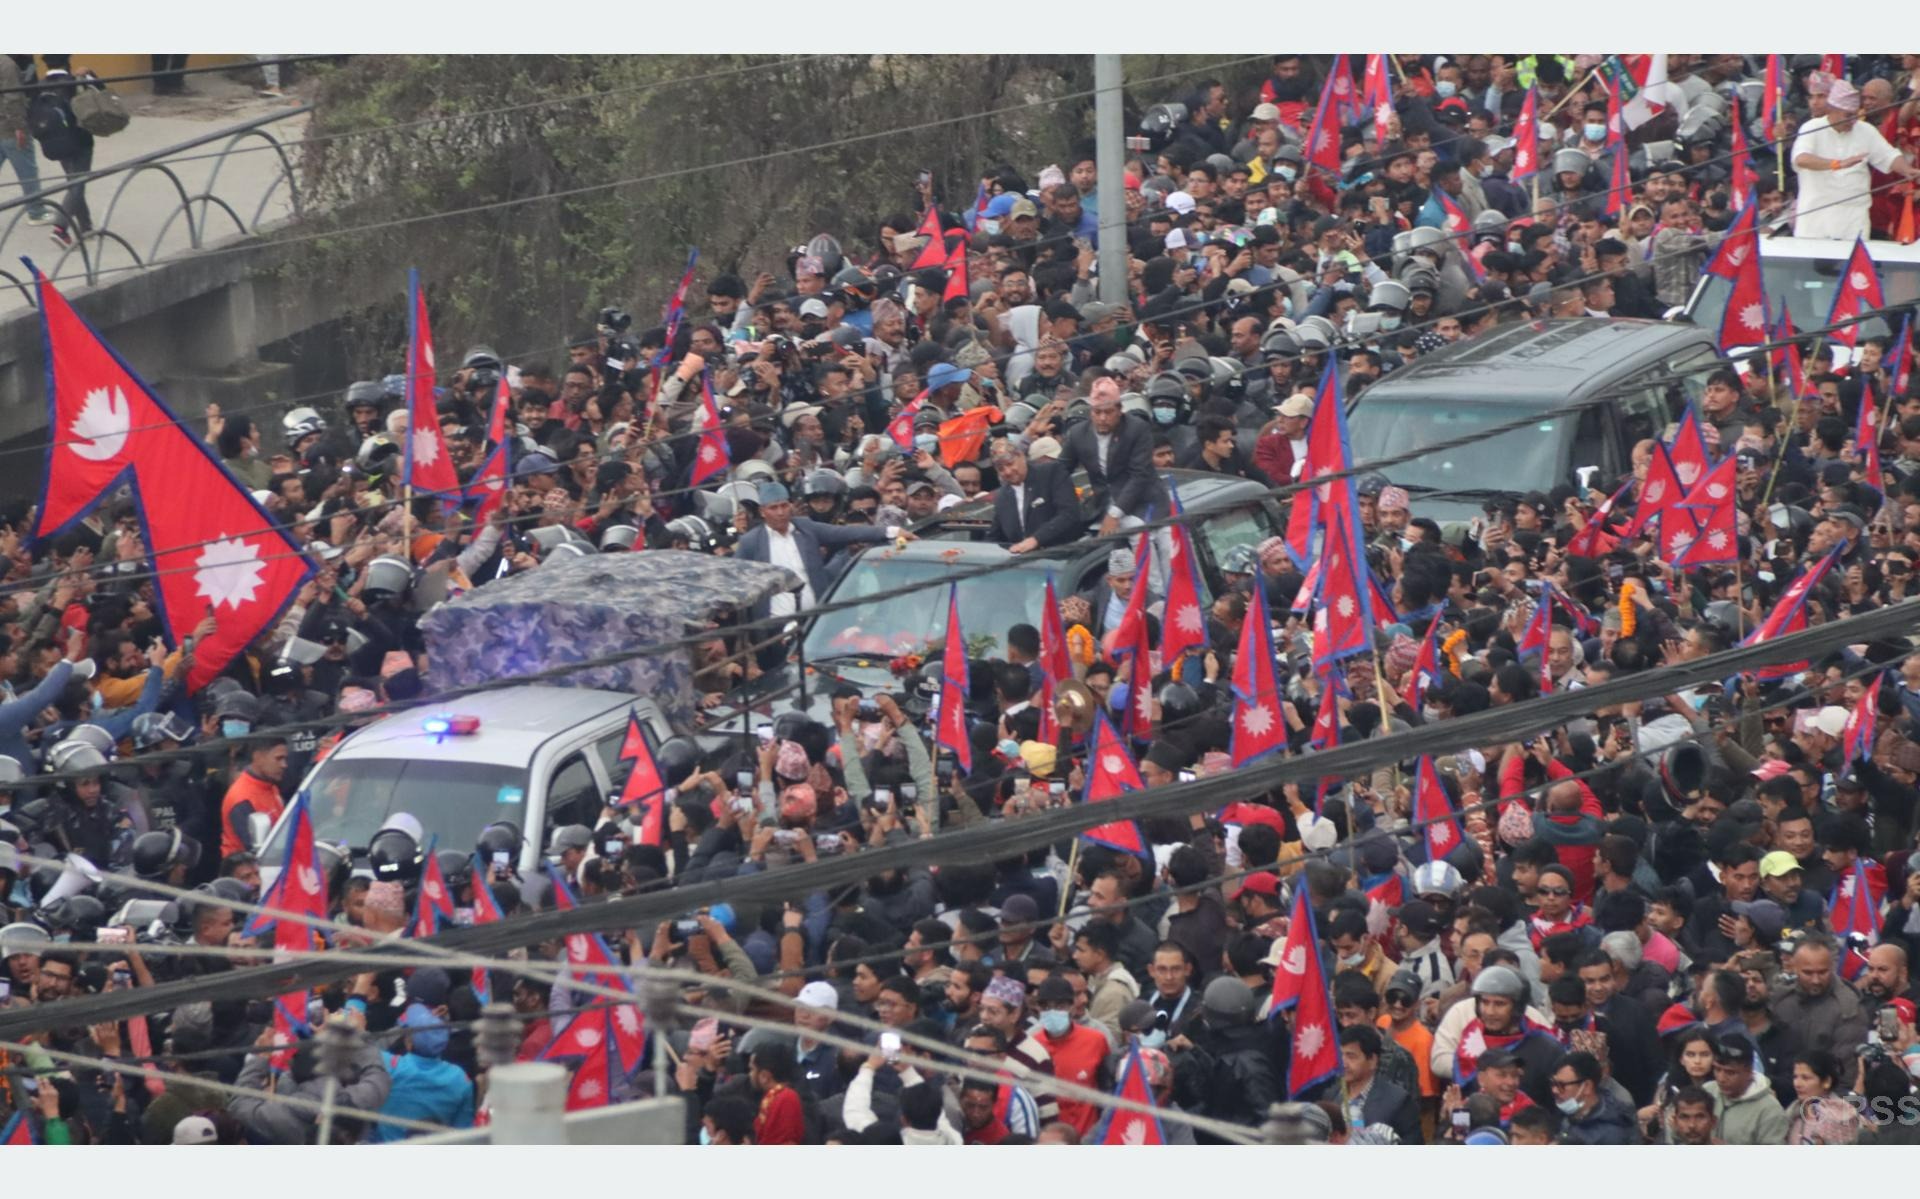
{"points": [[451, 726]]}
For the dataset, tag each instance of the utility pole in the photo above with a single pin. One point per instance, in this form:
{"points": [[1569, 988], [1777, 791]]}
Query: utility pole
{"points": [[1110, 162]]}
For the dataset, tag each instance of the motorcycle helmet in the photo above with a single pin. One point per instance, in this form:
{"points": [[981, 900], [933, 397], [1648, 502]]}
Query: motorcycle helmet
{"points": [[502, 836], [79, 916], [157, 853], [301, 422], [693, 530], [74, 754], [677, 757], [456, 868], [828, 251], [394, 854], [378, 456], [387, 577], [366, 394], [618, 537]]}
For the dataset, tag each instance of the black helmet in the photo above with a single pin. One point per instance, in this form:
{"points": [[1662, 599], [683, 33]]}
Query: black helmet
{"points": [[155, 853], [502, 836], [456, 868], [1683, 771], [677, 758], [394, 853], [79, 915], [42, 879], [822, 482], [366, 394], [230, 888], [1178, 702]]}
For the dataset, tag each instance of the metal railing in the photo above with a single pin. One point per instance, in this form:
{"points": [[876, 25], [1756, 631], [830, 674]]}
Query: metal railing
{"points": [[197, 207]]}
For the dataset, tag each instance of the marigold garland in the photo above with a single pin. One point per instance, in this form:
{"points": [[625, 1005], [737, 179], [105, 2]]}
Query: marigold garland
{"points": [[1628, 613], [1451, 648], [1080, 645]]}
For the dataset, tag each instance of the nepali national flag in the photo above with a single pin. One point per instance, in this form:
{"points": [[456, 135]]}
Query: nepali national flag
{"points": [[959, 284], [1346, 604], [1326, 725], [1583, 622], [1772, 96], [1534, 639], [1433, 811], [644, 786], [290, 1027], [214, 550], [1454, 223], [933, 252], [1743, 322], [590, 961], [1526, 139], [486, 910], [1789, 615], [1376, 96], [1111, 773], [1314, 1047], [1327, 453], [1323, 149], [971, 216], [1184, 626], [427, 468], [1857, 738], [1858, 294], [1426, 667], [900, 428], [712, 458], [676, 309], [1853, 906], [952, 728], [1593, 541], [1714, 503], [1137, 663], [587, 1042], [1123, 1126], [1900, 370], [1259, 726], [1866, 443], [300, 889], [19, 1131], [1132, 626], [435, 903], [489, 484], [1743, 181], [1620, 182], [1056, 665], [1659, 504], [1688, 449], [1834, 65]]}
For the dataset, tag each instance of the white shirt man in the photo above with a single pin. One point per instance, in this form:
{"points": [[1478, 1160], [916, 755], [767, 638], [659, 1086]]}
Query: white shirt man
{"points": [[1831, 155]]}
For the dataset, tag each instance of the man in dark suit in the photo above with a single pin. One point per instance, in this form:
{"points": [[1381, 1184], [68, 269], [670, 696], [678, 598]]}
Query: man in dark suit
{"points": [[1381, 1102], [1117, 455], [1035, 506], [800, 545]]}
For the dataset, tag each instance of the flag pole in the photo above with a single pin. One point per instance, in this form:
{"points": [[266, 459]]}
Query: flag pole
{"points": [[1073, 869], [1780, 448], [406, 521]]}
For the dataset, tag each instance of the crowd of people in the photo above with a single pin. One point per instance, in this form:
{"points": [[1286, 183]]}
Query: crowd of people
{"points": [[1685, 919]]}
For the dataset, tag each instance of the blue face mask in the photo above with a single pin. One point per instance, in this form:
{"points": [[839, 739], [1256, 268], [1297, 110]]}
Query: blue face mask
{"points": [[1165, 416], [1595, 132], [1513, 247], [1287, 173], [1056, 1023], [1445, 88], [1010, 749], [1570, 1106], [1389, 322], [1153, 1039], [235, 728]]}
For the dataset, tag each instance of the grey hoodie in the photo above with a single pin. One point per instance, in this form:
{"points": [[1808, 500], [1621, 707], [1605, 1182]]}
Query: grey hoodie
{"points": [[1515, 938]]}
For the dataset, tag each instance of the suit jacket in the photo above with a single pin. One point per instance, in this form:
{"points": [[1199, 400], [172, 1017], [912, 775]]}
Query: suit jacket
{"points": [[1052, 513], [1128, 483], [813, 538], [1389, 1104]]}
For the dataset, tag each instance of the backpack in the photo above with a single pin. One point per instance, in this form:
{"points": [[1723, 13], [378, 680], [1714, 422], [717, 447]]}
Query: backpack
{"points": [[99, 111], [49, 123]]}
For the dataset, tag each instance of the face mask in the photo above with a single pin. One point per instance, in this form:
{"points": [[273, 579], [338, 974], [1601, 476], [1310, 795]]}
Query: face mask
{"points": [[1389, 322], [1594, 132], [235, 728], [1513, 247], [1056, 1024], [1010, 750], [1353, 959], [992, 227], [1287, 173], [706, 1138], [1569, 1106], [1445, 88]]}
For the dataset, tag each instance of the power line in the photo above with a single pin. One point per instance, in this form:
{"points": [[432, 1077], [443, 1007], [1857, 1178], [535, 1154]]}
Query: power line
{"points": [[175, 73]]}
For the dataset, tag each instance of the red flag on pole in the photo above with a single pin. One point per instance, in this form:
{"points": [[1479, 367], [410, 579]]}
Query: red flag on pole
{"points": [[1526, 139], [1056, 665], [1853, 906], [434, 904], [428, 468], [1743, 180], [587, 1041], [712, 458], [1123, 1126], [1327, 453], [1866, 442], [1184, 627], [1535, 639], [215, 551], [1300, 983], [1133, 619], [489, 484], [1744, 320], [1773, 93], [1323, 149], [933, 252], [1426, 668], [1863, 723], [644, 785], [959, 284], [1787, 357], [485, 911], [1138, 666], [1345, 602], [675, 310], [1789, 615], [1714, 502], [19, 1131], [953, 734], [1593, 540], [1433, 811], [1111, 773], [590, 961], [900, 428], [1689, 450], [1259, 724], [1376, 96], [1858, 293]]}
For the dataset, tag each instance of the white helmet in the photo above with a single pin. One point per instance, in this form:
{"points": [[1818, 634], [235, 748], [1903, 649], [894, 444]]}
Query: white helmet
{"points": [[1437, 878], [302, 422]]}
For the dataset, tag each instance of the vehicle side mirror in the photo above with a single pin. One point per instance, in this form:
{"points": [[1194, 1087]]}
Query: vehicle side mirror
{"points": [[258, 826]]}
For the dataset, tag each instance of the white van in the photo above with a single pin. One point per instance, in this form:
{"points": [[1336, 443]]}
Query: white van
{"points": [[1804, 273]]}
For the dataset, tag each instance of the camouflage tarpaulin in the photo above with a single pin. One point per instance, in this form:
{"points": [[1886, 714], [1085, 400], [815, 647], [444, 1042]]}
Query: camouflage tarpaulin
{"points": [[578, 609]]}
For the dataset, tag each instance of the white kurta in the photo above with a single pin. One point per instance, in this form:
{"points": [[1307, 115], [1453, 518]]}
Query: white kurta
{"points": [[1834, 204]]}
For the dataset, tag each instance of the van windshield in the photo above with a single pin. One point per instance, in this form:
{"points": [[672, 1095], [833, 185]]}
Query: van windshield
{"points": [[1807, 286], [1525, 459], [352, 798]]}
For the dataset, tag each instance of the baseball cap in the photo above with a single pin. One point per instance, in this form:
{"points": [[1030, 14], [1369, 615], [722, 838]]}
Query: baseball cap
{"points": [[918, 485], [1831, 720], [1019, 909], [1045, 447], [999, 206], [1260, 882], [819, 995], [1768, 917], [1266, 112], [571, 836], [1020, 207], [195, 1130], [944, 374], [1296, 405], [1180, 202], [1734, 1048], [813, 306], [1778, 864], [1420, 918]]}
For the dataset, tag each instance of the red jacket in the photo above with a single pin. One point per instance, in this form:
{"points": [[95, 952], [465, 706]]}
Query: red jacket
{"points": [[1578, 859], [1273, 454], [781, 1120]]}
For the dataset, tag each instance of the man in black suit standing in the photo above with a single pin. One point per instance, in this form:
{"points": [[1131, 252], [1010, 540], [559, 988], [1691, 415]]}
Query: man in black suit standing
{"points": [[1035, 506], [1117, 455]]}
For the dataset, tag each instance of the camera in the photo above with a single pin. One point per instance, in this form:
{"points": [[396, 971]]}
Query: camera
{"points": [[868, 710], [483, 380], [882, 799], [620, 350], [615, 320], [909, 794], [684, 929]]}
